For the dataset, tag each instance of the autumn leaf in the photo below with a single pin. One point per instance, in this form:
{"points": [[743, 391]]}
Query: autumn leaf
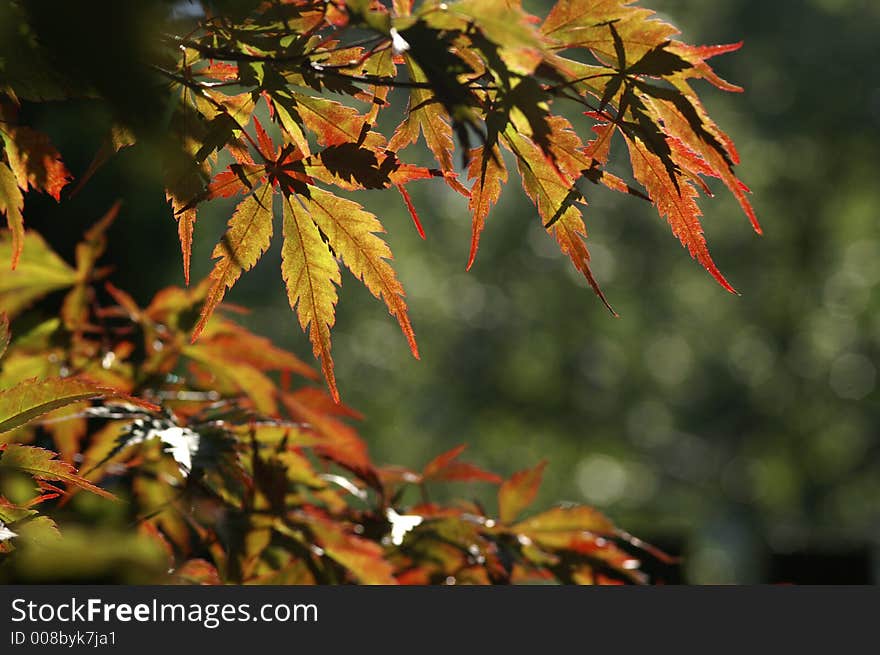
{"points": [[119, 138], [234, 376], [311, 275], [489, 173], [447, 467], [426, 115], [33, 531], [68, 427], [552, 194], [720, 167], [338, 441], [32, 163], [283, 461], [364, 559], [300, 470], [320, 401], [519, 492], [39, 272], [579, 518], [411, 208], [35, 161], [503, 23], [33, 398], [584, 24], [186, 224], [248, 237], [351, 232], [675, 202], [332, 122], [238, 344], [11, 205], [42, 465], [11, 513], [402, 7]]}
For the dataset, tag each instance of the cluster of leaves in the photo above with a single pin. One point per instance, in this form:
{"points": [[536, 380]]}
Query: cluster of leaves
{"points": [[483, 71], [237, 474]]}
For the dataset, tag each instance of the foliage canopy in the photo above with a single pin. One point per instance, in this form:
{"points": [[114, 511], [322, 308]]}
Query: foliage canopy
{"points": [[280, 105]]}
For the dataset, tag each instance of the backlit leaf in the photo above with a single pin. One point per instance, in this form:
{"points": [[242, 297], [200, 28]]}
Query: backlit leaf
{"points": [[238, 344], [35, 161], [678, 205], [584, 23], [32, 398], [448, 468], [332, 122], [426, 115], [364, 559], [489, 173], [338, 442], [312, 275], [517, 493], [579, 518], [555, 197], [351, 233], [11, 205], [41, 464], [39, 272], [248, 237]]}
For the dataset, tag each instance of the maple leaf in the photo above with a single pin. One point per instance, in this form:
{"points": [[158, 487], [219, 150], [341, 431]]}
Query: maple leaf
{"points": [[364, 559], [248, 237], [32, 398], [332, 122], [519, 492], [232, 375], [338, 441], [675, 201], [42, 465], [379, 65], [237, 344], [311, 275], [31, 162], [68, 427], [719, 166], [552, 194], [35, 161], [577, 518], [489, 173], [411, 209], [186, 223], [119, 138], [351, 232], [320, 401], [10, 512], [447, 467], [11, 205], [426, 115], [507, 31], [39, 272], [584, 23]]}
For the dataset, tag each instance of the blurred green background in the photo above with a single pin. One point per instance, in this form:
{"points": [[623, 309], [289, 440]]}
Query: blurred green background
{"points": [[738, 432]]}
